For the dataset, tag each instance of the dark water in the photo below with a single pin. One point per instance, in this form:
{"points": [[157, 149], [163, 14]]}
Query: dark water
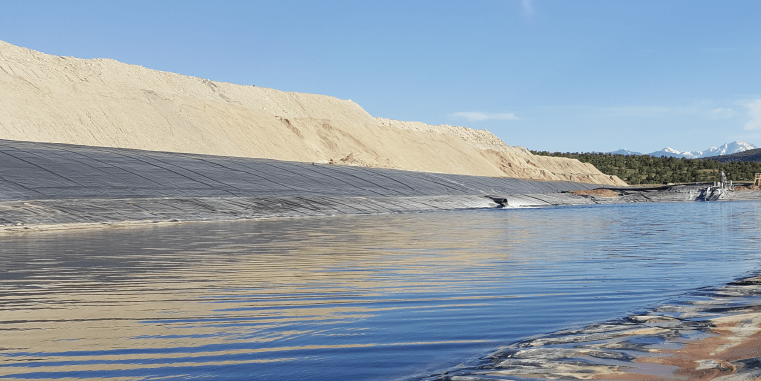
{"points": [[348, 298]]}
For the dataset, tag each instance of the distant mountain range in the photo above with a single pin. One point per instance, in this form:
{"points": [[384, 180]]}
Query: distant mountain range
{"points": [[624, 151], [725, 149], [749, 155]]}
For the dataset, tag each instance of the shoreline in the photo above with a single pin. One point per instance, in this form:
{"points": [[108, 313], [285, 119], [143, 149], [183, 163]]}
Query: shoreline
{"points": [[76, 214], [24, 216]]}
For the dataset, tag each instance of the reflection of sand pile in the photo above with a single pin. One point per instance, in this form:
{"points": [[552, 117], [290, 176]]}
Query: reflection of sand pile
{"points": [[102, 102]]}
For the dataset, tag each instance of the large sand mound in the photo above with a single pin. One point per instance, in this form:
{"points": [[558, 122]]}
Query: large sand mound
{"points": [[102, 102]]}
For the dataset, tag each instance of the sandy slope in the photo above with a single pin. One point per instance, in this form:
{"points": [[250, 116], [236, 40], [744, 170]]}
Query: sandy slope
{"points": [[102, 102]]}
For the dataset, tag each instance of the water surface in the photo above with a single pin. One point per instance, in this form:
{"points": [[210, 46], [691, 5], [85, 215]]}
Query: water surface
{"points": [[364, 297]]}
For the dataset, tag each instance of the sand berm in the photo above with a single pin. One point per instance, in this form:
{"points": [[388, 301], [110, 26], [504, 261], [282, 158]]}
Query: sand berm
{"points": [[102, 102]]}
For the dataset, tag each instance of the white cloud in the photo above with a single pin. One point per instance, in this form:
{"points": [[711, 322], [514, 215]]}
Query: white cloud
{"points": [[477, 116], [754, 110], [721, 113], [528, 8]]}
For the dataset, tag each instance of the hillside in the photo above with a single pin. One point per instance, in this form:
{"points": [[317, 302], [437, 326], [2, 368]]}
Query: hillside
{"points": [[102, 102], [645, 169]]}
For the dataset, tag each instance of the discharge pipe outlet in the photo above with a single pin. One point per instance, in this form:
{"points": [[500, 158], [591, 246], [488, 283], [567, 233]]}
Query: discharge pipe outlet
{"points": [[501, 201]]}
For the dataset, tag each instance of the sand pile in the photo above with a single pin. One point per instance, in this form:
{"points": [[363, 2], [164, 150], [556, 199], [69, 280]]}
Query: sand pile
{"points": [[102, 102]]}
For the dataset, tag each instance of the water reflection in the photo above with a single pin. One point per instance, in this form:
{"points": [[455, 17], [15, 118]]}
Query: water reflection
{"points": [[366, 297]]}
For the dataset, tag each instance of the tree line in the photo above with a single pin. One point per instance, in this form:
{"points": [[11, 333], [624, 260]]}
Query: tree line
{"points": [[645, 169]]}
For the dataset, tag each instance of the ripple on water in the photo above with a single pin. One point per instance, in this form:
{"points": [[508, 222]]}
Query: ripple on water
{"points": [[364, 297]]}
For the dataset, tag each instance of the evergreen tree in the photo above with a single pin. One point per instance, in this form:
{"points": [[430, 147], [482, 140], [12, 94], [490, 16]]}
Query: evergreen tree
{"points": [[637, 169]]}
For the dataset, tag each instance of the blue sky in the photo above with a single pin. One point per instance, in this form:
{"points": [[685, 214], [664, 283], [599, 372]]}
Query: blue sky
{"points": [[548, 75]]}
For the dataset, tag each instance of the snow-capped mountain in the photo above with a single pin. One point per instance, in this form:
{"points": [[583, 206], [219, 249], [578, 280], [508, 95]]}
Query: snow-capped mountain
{"points": [[624, 151], [670, 152], [725, 149], [728, 149]]}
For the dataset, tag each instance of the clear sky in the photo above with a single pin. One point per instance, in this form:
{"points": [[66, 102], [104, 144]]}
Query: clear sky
{"points": [[548, 75]]}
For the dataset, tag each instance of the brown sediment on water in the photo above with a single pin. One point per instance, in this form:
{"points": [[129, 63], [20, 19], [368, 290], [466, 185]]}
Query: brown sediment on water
{"points": [[718, 338], [733, 349]]}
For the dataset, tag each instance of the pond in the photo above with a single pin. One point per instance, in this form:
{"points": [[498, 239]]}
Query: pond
{"points": [[382, 297]]}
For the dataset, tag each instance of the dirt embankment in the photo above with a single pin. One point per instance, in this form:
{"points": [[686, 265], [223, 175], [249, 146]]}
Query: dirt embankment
{"points": [[596, 192], [102, 102]]}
